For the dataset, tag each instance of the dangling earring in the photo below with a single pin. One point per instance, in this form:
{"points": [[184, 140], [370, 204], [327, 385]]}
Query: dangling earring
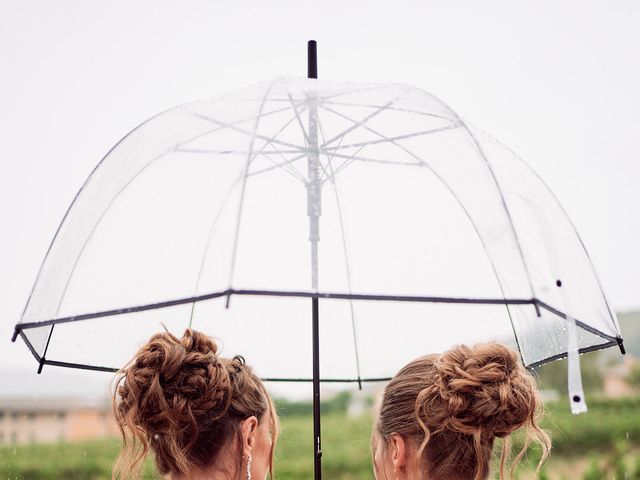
{"points": [[249, 467]]}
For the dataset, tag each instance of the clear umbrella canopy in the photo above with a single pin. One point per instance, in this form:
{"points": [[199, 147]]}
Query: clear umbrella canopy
{"points": [[429, 233]]}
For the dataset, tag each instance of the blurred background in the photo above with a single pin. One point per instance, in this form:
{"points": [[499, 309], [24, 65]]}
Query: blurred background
{"points": [[555, 82]]}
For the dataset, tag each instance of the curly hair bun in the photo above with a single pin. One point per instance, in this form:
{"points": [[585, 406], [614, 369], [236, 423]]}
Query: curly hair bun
{"points": [[484, 388], [177, 383]]}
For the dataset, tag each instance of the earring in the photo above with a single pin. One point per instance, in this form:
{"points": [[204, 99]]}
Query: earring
{"points": [[249, 467]]}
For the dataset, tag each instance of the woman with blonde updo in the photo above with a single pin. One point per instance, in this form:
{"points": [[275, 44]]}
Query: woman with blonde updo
{"points": [[203, 416], [440, 415]]}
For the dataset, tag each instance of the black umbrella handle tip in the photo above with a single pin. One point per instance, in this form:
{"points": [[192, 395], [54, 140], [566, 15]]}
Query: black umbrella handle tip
{"points": [[312, 59]]}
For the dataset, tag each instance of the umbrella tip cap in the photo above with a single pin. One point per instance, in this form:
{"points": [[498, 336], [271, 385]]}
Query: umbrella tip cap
{"points": [[621, 345], [312, 59]]}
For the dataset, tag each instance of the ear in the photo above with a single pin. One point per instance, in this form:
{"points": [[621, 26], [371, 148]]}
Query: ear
{"points": [[398, 452], [248, 429]]}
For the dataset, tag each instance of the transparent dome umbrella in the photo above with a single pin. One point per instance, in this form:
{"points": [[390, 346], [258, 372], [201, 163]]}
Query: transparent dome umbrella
{"points": [[328, 232]]}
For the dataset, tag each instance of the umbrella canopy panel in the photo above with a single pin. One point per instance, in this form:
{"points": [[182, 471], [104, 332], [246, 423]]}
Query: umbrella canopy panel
{"points": [[200, 217]]}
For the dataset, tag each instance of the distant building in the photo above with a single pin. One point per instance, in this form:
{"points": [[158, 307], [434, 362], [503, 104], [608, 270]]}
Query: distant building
{"points": [[55, 419]]}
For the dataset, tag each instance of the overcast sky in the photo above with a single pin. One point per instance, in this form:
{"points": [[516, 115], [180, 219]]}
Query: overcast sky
{"points": [[555, 81]]}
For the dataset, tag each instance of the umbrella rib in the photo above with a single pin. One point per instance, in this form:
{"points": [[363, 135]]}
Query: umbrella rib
{"points": [[277, 165], [393, 139], [504, 205], [207, 244], [345, 250], [372, 160], [329, 155], [238, 122], [253, 135], [397, 109], [353, 157], [288, 167], [348, 271], [270, 141], [349, 160], [291, 169], [359, 123], [234, 152], [384, 138]]}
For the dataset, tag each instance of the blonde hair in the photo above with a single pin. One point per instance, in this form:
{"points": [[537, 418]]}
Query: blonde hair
{"points": [[456, 404], [178, 398]]}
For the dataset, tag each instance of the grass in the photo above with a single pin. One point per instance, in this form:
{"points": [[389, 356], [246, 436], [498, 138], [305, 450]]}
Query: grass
{"points": [[579, 441], [86, 461]]}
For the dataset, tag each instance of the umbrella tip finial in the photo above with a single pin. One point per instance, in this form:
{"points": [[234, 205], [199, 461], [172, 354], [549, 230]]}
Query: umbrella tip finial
{"points": [[621, 345], [41, 365], [312, 59]]}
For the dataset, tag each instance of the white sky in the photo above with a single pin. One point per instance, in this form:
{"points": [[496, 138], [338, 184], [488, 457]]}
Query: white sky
{"points": [[555, 81]]}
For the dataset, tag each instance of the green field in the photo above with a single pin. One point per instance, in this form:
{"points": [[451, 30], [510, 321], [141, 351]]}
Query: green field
{"points": [[596, 445]]}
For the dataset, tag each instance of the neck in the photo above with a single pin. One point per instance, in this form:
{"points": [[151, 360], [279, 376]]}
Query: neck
{"points": [[212, 474]]}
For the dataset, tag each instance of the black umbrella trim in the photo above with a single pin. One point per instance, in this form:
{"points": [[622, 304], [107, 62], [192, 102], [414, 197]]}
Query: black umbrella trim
{"points": [[21, 327]]}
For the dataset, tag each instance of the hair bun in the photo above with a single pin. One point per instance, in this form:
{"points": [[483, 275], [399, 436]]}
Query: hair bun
{"points": [[485, 388], [176, 382]]}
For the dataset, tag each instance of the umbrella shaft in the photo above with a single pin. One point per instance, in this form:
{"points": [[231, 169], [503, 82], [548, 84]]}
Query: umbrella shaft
{"points": [[317, 447], [314, 202]]}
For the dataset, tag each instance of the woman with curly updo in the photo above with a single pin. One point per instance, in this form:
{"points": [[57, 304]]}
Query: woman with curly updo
{"points": [[203, 416], [440, 415]]}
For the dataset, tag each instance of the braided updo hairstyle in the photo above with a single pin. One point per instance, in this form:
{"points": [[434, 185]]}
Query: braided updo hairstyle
{"points": [[179, 398], [454, 405]]}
